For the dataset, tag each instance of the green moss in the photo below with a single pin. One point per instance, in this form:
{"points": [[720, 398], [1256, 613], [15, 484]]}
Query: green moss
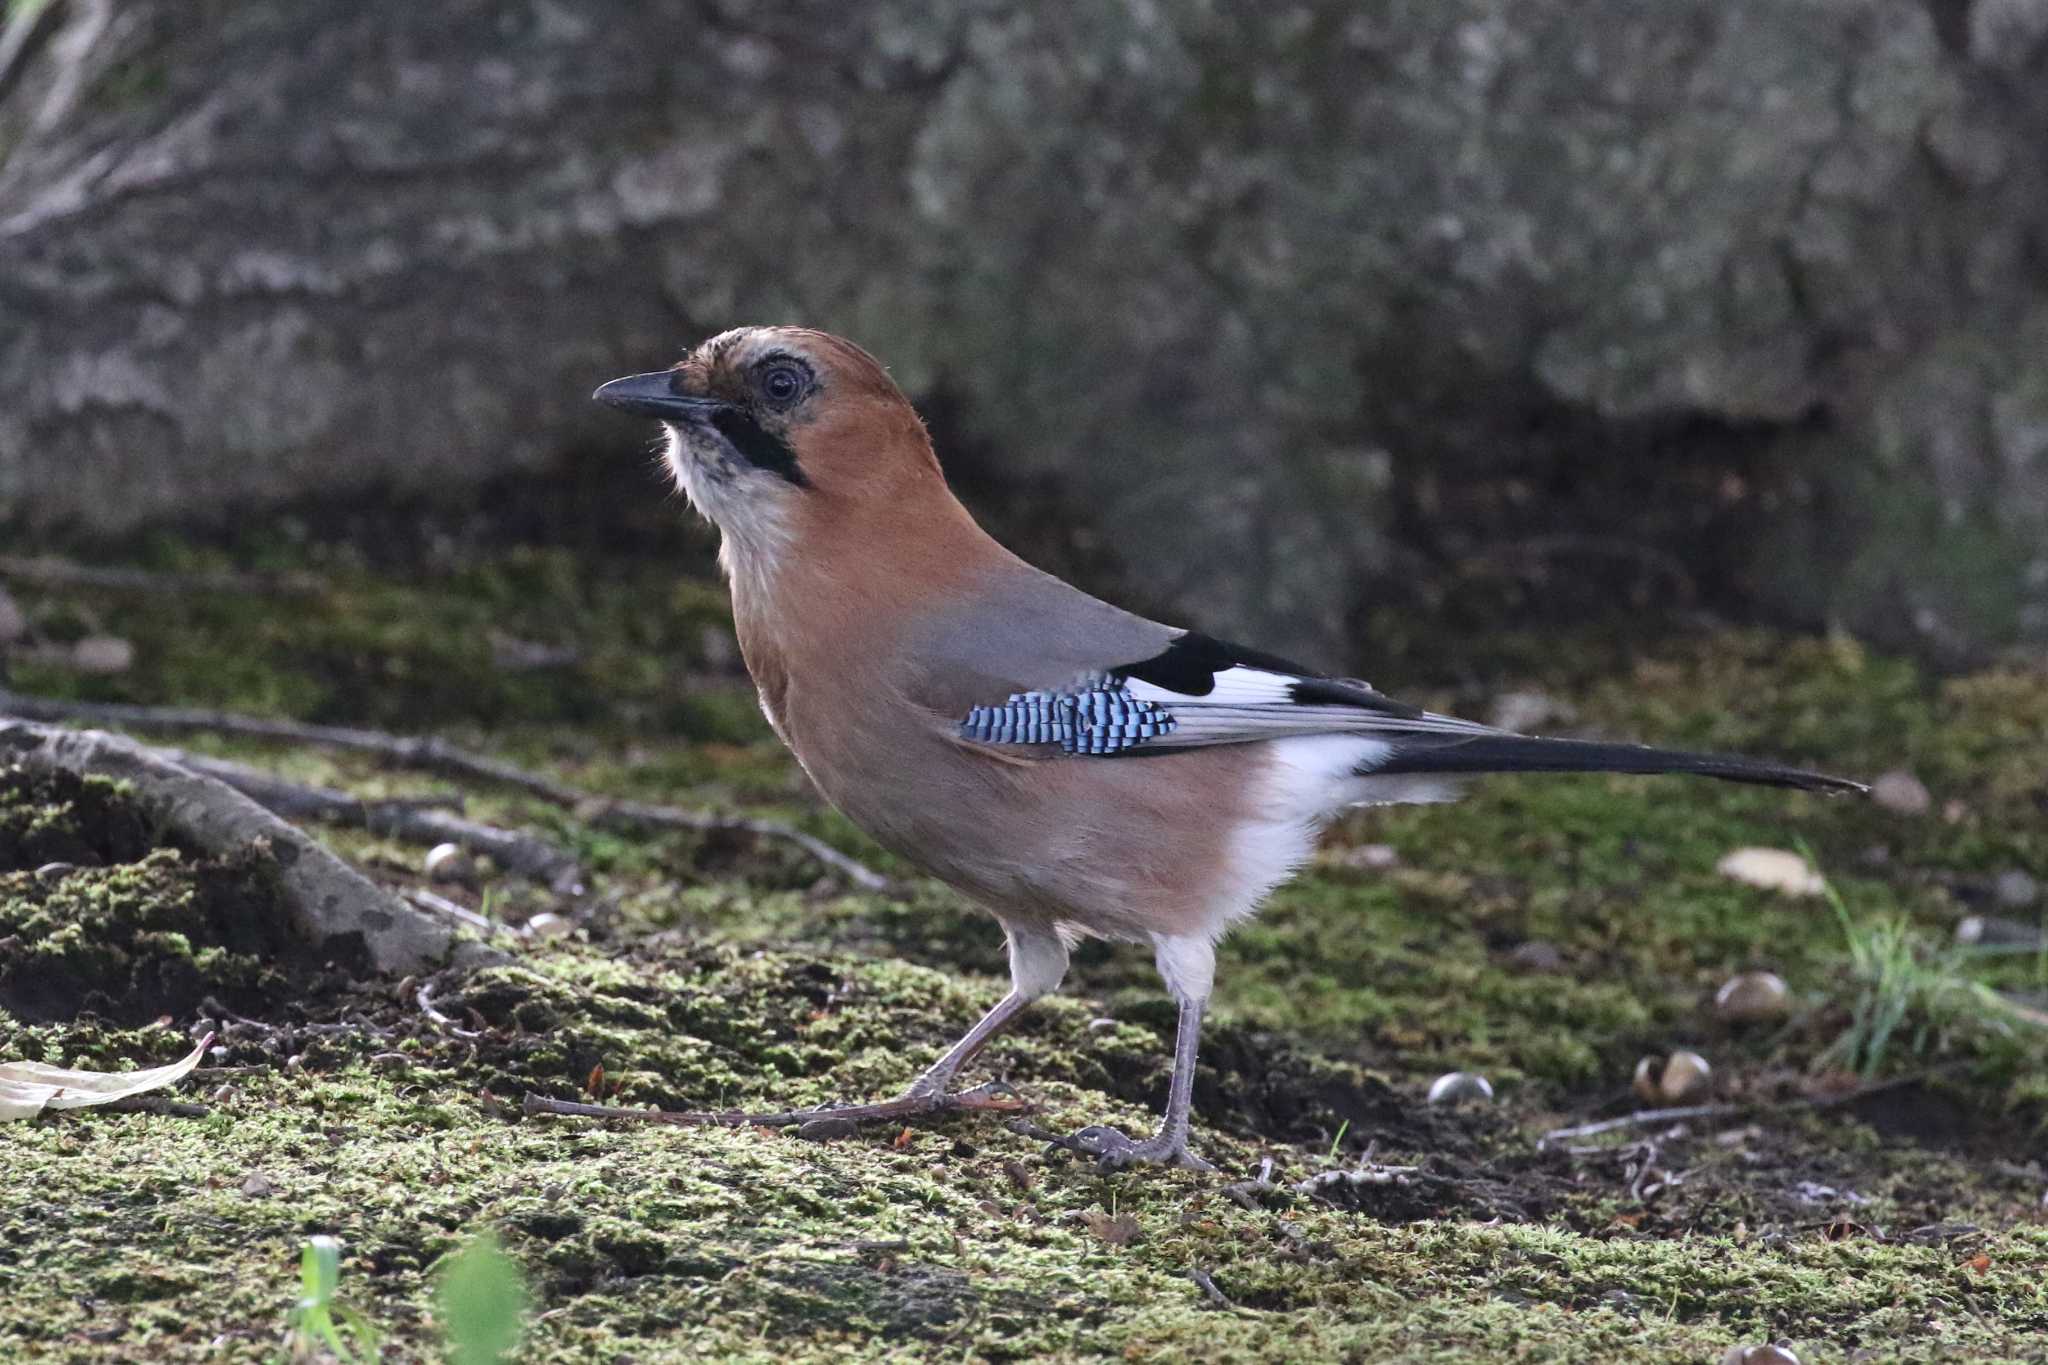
{"points": [[709, 971], [93, 919]]}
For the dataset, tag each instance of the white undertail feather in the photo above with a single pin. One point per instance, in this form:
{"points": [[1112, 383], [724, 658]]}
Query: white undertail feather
{"points": [[1307, 782]]}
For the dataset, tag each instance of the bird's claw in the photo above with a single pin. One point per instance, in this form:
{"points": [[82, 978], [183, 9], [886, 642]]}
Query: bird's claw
{"points": [[1113, 1150]]}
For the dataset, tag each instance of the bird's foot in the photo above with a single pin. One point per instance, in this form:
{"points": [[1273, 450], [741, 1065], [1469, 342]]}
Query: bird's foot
{"points": [[1113, 1150]]}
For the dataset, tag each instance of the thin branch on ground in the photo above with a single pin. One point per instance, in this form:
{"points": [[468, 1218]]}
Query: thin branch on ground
{"points": [[1207, 1284], [441, 905], [428, 754], [1642, 1117], [412, 821], [425, 1000], [49, 571]]}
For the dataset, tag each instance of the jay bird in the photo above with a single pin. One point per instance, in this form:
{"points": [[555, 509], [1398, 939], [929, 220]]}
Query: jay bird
{"points": [[1075, 769]]}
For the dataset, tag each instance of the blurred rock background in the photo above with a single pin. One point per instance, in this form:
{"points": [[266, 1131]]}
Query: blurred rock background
{"points": [[1435, 312]]}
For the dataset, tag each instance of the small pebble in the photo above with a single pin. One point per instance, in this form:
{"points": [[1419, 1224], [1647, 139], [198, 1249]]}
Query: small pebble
{"points": [[827, 1129], [1649, 1079], [547, 924], [1997, 931], [102, 654], [1773, 869], [52, 872], [222, 1094], [1749, 996], [1101, 1024], [1672, 1080], [1770, 1355], [1371, 857], [448, 863], [2016, 890], [1536, 957], [1686, 1076], [1455, 1087], [258, 1186], [1902, 793]]}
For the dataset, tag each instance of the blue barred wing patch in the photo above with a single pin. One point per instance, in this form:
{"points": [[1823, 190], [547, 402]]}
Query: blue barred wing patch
{"points": [[1094, 720]]}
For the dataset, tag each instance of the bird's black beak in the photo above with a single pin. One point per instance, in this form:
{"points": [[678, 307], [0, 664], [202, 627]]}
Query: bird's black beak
{"points": [[655, 395]]}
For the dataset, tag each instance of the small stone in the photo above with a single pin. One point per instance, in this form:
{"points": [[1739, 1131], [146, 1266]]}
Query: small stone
{"points": [[448, 863], [1455, 1087], [1101, 1024], [1371, 857], [1773, 869], [55, 872], [2015, 890], [1536, 957], [295, 1062], [13, 620], [1750, 996], [1686, 1076], [827, 1129], [256, 1185], [102, 654], [222, 1093], [1770, 1355], [1996, 931], [547, 924], [1902, 793], [1672, 1080]]}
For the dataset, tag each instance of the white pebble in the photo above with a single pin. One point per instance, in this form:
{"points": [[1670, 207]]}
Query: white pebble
{"points": [[1455, 1087], [1902, 793]]}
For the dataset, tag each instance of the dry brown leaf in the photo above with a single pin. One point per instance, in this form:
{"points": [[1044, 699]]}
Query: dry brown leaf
{"points": [[28, 1088]]}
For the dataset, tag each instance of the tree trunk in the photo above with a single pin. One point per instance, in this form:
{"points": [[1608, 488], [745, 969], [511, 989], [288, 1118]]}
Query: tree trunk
{"points": [[1755, 283]]}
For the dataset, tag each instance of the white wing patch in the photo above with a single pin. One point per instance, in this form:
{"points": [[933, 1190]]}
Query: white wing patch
{"points": [[1238, 686]]}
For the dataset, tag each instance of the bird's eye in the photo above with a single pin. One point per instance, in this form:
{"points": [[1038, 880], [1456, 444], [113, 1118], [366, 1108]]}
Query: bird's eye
{"points": [[782, 384]]}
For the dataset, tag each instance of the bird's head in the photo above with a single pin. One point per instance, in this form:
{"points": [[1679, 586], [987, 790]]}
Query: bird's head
{"points": [[773, 427]]}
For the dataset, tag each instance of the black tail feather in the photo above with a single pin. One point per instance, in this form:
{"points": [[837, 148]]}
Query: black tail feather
{"points": [[1529, 754]]}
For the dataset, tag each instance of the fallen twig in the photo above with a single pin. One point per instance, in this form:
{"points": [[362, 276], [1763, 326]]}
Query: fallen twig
{"points": [[325, 897], [441, 905], [412, 821], [63, 573], [1242, 1191], [1207, 1284], [157, 1104], [437, 756], [441, 1021], [1372, 1174], [1641, 1117]]}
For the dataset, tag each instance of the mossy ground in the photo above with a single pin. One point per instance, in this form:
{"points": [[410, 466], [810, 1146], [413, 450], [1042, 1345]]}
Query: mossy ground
{"points": [[705, 972]]}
